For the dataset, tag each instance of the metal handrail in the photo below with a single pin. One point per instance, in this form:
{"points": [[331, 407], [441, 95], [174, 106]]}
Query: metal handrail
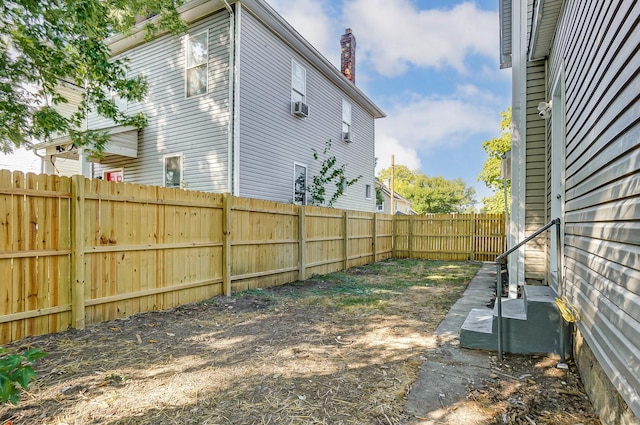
{"points": [[501, 259], [527, 239]]}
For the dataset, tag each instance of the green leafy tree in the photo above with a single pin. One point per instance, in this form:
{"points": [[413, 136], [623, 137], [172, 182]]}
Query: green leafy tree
{"points": [[491, 173], [330, 173], [431, 194], [379, 196], [16, 370], [43, 43]]}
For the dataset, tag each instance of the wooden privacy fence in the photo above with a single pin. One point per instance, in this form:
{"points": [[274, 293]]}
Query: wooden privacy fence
{"points": [[75, 251], [476, 237]]}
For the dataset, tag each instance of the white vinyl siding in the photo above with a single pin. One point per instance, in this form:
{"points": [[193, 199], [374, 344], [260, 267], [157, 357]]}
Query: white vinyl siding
{"points": [[272, 139], [597, 43], [197, 126], [535, 200]]}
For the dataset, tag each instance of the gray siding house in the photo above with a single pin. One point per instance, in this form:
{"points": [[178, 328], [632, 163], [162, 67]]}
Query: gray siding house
{"points": [[236, 105], [576, 156]]}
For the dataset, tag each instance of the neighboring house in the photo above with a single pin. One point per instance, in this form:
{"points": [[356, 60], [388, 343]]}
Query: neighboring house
{"points": [[236, 105], [401, 205], [576, 156]]}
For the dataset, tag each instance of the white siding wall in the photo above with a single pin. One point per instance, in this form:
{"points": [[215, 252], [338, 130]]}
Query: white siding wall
{"points": [[535, 217], [197, 126], [598, 42], [271, 139]]}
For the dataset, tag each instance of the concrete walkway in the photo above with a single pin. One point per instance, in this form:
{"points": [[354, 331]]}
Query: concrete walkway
{"points": [[448, 370]]}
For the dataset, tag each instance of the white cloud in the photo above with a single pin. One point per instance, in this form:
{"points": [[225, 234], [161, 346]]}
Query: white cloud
{"points": [[394, 35], [419, 124], [311, 19], [387, 145]]}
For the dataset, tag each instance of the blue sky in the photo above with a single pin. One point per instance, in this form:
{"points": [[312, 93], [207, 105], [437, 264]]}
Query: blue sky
{"points": [[431, 65]]}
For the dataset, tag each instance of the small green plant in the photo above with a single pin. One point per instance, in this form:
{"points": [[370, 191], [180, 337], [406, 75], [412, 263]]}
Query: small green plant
{"points": [[114, 377], [329, 173], [16, 370]]}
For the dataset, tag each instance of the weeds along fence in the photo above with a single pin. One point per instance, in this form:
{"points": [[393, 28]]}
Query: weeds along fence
{"points": [[75, 251]]}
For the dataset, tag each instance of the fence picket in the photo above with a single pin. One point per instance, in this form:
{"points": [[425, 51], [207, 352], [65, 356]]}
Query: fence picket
{"points": [[7, 228]]}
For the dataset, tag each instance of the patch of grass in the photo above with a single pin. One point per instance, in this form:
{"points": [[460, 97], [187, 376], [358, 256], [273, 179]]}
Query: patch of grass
{"points": [[258, 293], [372, 285]]}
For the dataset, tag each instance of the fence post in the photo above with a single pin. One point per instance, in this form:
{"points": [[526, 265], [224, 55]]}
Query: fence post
{"points": [[375, 237], [410, 237], [77, 252], [226, 244], [302, 242], [394, 236], [474, 236], [345, 230]]}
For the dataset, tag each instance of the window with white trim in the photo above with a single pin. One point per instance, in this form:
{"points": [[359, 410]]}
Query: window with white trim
{"points": [[196, 68], [367, 191], [115, 175], [346, 121], [299, 184], [380, 207], [121, 102], [298, 82], [172, 170]]}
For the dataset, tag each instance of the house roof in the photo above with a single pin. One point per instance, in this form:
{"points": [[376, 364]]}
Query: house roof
{"points": [[543, 27], [387, 192], [396, 197], [505, 33], [197, 9]]}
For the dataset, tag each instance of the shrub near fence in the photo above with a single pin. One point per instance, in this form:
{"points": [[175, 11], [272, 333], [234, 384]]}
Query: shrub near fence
{"points": [[75, 251]]}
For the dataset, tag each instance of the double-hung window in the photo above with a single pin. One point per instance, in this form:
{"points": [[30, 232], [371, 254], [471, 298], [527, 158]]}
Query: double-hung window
{"points": [[347, 136], [298, 82], [172, 170], [299, 184], [121, 102], [197, 63]]}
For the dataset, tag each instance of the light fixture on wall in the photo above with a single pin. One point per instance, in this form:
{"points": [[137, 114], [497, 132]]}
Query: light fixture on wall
{"points": [[544, 109]]}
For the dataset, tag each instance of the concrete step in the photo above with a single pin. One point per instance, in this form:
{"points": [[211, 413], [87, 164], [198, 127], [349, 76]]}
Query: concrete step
{"points": [[529, 325], [512, 309], [477, 330], [535, 293], [479, 320]]}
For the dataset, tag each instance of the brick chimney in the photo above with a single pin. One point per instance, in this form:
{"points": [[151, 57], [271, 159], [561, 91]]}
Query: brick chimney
{"points": [[348, 55]]}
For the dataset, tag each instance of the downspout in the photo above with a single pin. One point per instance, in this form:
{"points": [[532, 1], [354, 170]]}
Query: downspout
{"points": [[42, 160], [232, 183]]}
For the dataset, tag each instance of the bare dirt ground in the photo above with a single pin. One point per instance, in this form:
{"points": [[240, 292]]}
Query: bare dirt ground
{"points": [[337, 349]]}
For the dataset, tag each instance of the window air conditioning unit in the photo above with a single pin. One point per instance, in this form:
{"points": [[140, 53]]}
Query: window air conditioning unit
{"points": [[300, 109], [346, 136]]}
